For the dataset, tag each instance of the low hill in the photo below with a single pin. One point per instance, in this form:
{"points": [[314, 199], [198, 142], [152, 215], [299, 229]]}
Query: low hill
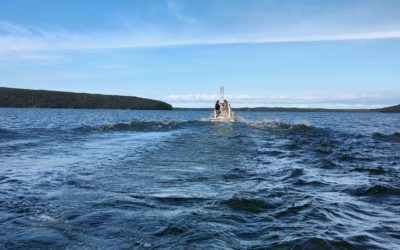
{"points": [[26, 98], [391, 109]]}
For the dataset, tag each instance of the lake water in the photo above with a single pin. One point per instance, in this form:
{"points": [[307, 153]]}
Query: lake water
{"points": [[116, 179]]}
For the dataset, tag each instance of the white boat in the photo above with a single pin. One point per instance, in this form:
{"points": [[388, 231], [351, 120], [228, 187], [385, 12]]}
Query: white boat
{"points": [[225, 113]]}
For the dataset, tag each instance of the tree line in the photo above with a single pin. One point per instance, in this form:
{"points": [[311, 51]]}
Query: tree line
{"points": [[26, 98]]}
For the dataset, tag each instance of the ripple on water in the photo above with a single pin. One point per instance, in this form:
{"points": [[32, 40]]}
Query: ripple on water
{"points": [[247, 185], [294, 173], [395, 137], [380, 170], [37, 238], [141, 126], [312, 243], [248, 204], [376, 190], [179, 200]]}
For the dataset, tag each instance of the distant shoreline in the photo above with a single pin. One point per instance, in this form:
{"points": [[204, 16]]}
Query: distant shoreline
{"points": [[391, 109], [28, 98], [277, 109]]}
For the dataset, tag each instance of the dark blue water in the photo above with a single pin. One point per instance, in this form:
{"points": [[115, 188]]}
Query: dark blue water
{"points": [[108, 179]]}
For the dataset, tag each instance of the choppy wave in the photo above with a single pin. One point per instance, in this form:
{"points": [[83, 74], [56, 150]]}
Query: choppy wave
{"points": [[168, 125], [277, 125], [142, 126], [377, 190], [371, 170], [271, 183], [8, 134], [313, 243], [248, 204], [171, 125], [395, 137], [3, 131]]}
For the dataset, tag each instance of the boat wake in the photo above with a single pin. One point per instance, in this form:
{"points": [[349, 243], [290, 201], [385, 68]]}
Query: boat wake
{"points": [[157, 180], [143, 126]]}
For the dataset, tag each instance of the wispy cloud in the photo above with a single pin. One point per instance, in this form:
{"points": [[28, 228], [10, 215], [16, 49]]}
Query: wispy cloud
{"points": [[301, 96], [206, 97], [181, 23], [36, 57], [14, 38]]}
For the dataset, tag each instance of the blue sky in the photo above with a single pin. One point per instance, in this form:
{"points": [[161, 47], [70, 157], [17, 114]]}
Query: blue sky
{"points": [[337, 54]]}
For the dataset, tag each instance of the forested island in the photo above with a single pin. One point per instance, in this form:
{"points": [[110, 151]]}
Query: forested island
{"points": [[27, 98], [391, 109]]}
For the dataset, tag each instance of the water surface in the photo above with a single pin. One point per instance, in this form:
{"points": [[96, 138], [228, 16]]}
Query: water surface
{"points": [[116, 179]]}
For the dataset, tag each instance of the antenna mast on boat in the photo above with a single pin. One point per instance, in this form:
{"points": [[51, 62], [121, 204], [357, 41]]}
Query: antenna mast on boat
{"points": [[221, 93]]}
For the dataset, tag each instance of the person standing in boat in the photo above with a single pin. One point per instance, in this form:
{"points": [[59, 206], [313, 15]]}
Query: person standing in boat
{"points": [[217, 108], [225, 106]]}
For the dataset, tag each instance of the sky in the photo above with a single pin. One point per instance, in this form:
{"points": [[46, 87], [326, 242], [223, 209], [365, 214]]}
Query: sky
{"points": [[286, 53]]}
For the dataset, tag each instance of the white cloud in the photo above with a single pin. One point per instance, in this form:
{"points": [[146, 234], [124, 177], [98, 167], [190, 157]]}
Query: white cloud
{"points": [[179, 23], [15, 38], [323, 100], [205, 97], [28, 56], [303, 97]]}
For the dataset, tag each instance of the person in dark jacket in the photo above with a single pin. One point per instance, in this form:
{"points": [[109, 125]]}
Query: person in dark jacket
{"points": [[217, 108]]}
